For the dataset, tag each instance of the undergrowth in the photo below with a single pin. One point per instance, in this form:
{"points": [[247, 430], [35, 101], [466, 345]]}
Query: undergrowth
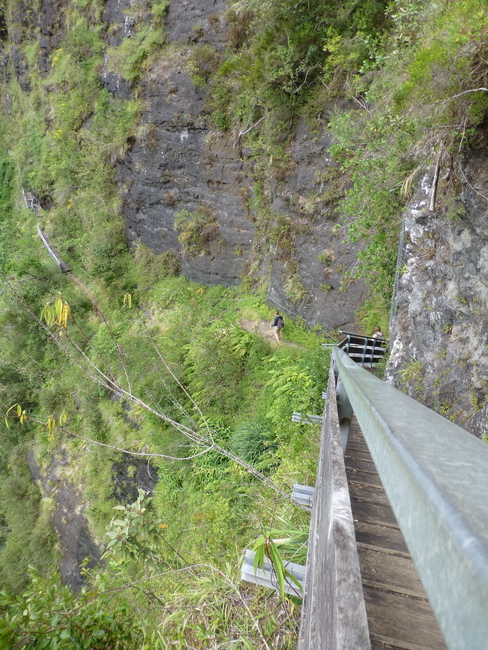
{"points": [[415, 73], [179, 345]]}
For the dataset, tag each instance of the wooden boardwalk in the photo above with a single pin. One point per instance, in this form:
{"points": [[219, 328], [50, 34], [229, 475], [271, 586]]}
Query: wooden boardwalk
{"points": [[399, 613]]}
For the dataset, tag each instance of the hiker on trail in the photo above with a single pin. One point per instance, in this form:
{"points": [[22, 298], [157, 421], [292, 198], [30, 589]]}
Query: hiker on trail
{"points": [[278, 325], [377, 333]]}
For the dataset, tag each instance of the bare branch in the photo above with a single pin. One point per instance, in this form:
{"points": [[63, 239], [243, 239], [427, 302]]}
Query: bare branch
{"points": [[465, 92], [463, 175], [168, 368], [138, 454], [362, 103], [434, 184], [241, 133]]}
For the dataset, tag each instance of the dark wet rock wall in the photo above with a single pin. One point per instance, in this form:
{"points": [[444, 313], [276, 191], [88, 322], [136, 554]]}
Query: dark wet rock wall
{"points": [[76, 543], [129, 475], [182, 163]]}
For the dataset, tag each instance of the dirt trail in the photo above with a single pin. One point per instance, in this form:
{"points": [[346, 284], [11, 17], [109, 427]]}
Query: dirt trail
{"points": [[261, 327], [264, 329]]}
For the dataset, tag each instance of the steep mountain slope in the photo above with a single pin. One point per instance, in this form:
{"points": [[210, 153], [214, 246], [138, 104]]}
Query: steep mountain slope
{"points": [[325, 158]]}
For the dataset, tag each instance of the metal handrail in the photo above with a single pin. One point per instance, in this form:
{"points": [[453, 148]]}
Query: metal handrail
{"points": [[436, 477]]}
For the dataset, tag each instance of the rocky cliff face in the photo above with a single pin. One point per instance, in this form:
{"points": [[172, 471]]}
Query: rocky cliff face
{"points": [[182, 165], [75, 543], [179, 168], [179, 164], [439, 329]]}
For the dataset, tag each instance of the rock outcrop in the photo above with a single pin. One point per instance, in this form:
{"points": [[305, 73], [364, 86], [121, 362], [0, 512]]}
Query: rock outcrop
{"points": [[76, 544], [439, 330], [182, 165], [180, 168]]}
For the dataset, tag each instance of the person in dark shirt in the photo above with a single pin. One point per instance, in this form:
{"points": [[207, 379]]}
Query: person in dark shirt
{"points": [[278, 325]]}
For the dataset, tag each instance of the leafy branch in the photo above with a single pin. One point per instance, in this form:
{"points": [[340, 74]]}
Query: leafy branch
{"points": [[269, 545]]}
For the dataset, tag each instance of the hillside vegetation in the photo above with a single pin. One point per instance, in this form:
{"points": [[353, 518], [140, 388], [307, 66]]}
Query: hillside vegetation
{"points": [[127, 365]]}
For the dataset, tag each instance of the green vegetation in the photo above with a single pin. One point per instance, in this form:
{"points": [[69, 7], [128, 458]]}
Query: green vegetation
{"points": [[415, 73], [49, 616], [179, 345], [128, 355], [412, 377], [282, 51], [196, 230], [206, 509]]}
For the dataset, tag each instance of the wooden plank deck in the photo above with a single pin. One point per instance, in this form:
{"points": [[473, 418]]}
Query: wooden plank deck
{"points": [[399, 613]]}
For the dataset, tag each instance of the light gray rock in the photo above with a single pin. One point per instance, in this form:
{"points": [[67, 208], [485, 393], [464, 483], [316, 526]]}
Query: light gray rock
{"points": [[440, 329]]}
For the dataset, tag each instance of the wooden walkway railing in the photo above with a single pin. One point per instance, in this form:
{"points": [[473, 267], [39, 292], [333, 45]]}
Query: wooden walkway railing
{"points": [[416, 490], [435, 477], [333, 612], [398, 610]]}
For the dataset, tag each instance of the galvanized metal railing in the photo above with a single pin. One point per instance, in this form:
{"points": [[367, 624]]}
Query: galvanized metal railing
{"points": [[436, 477], [65, 268], [366, 350]]}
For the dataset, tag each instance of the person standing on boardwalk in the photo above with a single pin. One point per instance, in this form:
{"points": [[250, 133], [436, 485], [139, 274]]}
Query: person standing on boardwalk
{"points": [[278, 325], [377, 333]]}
